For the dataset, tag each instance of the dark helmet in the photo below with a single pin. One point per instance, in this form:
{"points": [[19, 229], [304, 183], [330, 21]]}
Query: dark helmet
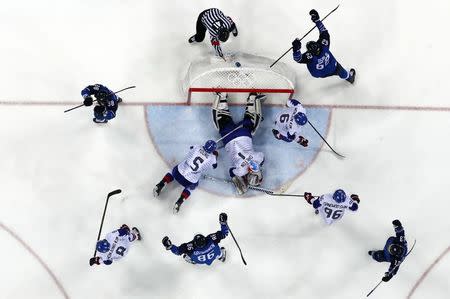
{"points": [[339, 196], [103, 246], [199, 241], [300, 118], [313, 47], [396, 250], [210, 146], [223, 34]]}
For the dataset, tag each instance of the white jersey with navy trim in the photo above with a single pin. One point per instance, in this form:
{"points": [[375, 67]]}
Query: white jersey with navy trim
{"points": [[240, 150], [196, 162], [118, 246], [284, 121], [213, 19], [332, 211]]}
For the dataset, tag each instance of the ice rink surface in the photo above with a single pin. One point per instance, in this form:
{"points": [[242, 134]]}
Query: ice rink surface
{"points": [[393, 125]]}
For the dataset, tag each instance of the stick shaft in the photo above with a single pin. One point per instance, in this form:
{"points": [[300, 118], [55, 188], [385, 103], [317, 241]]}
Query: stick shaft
{"points": [[73, 108], [325, 140], [304, 36], [240, 251], [103, 216]]}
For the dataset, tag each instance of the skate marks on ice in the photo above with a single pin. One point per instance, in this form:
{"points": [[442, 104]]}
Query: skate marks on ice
{"points": [[174, 128]]}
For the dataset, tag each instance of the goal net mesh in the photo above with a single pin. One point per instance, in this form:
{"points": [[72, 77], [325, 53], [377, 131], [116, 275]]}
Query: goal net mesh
{"points": [[213, 74]]}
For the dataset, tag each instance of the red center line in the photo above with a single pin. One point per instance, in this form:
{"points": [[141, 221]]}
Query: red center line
{"points": [[329, 106]]}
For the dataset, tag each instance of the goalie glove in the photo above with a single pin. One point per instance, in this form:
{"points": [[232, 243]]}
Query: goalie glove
{"points": [[240, 184]]}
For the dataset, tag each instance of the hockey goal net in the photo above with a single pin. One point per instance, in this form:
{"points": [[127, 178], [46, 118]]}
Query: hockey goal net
{"points": [[240, 73]]}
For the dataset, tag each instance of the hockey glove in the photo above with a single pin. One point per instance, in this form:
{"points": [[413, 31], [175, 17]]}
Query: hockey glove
{"points": [[223, 217], [276, 134], [296, 45], [355, 197], [302, 141], [314, 15], [167, 243], [88, 101], [94, 261], [387, 276], [308, 196], [396, 223]]}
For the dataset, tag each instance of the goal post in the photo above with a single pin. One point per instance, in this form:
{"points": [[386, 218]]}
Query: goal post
{"points": [[240, 73]]}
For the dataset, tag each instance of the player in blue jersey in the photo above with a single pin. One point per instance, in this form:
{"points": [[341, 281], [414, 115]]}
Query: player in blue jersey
{"points": [[107, 102], [202, 250], [394, 251], [318, 58]]}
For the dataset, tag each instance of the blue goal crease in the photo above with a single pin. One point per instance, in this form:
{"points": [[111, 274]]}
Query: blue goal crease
{"points": [[174, 128]]}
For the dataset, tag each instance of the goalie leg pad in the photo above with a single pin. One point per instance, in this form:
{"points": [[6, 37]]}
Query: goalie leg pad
{"points": [[220, 109], [253, 109], [240, 184]]}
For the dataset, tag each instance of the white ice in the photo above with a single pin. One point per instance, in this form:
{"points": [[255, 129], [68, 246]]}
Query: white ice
{"points": [[57, 168]]}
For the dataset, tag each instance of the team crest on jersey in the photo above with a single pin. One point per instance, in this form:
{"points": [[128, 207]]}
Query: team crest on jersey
{"points": [[174, 128]]}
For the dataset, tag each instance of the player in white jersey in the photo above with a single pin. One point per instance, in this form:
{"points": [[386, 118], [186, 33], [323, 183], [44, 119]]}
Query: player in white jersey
{"points": [[245, 162], [332, 206], [115, 245], [199, 160], [289, 123]]}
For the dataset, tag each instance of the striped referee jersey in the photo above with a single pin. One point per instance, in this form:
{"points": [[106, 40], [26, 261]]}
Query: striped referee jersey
{"points": [[213, 19]]}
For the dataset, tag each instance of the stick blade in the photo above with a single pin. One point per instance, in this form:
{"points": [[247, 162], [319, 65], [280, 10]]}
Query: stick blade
{"points": [[112, 193]]}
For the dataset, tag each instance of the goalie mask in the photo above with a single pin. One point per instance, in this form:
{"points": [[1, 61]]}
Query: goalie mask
{"points": [[254, 175]]}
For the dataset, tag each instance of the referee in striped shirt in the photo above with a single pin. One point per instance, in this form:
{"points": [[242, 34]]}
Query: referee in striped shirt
{"points": [[218, 25]]}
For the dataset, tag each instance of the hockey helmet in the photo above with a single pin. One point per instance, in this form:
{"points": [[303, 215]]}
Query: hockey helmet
{"points": [[103, 246], [339, 196], [223, 34], [253, 167], [300, 118], [199, 241], [396, 250], [313, 47], [210, 146]]}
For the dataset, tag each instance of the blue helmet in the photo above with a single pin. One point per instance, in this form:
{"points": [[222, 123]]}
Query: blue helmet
{"points": [[253, 166], [301, 119], [210, 146], [339, 196], [103, 246]]}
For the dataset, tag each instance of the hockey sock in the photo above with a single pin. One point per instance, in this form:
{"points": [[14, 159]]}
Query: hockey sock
{"points": [[185, 194], [167, 178], [342, 73]]}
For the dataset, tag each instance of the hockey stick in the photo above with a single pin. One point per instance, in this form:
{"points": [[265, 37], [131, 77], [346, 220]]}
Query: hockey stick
{"points": [[304, 36], [325, 140], [103, 217], [226, 135], [267, 191], [97, 99], [240, 251], [412, 247]]}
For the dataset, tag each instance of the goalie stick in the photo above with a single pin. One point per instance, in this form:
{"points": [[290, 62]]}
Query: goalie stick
{"points": [[412, 247], [260, 189]]}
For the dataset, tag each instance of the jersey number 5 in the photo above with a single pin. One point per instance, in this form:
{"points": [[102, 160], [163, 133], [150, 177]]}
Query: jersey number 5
{"points": [[197, 161]]}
